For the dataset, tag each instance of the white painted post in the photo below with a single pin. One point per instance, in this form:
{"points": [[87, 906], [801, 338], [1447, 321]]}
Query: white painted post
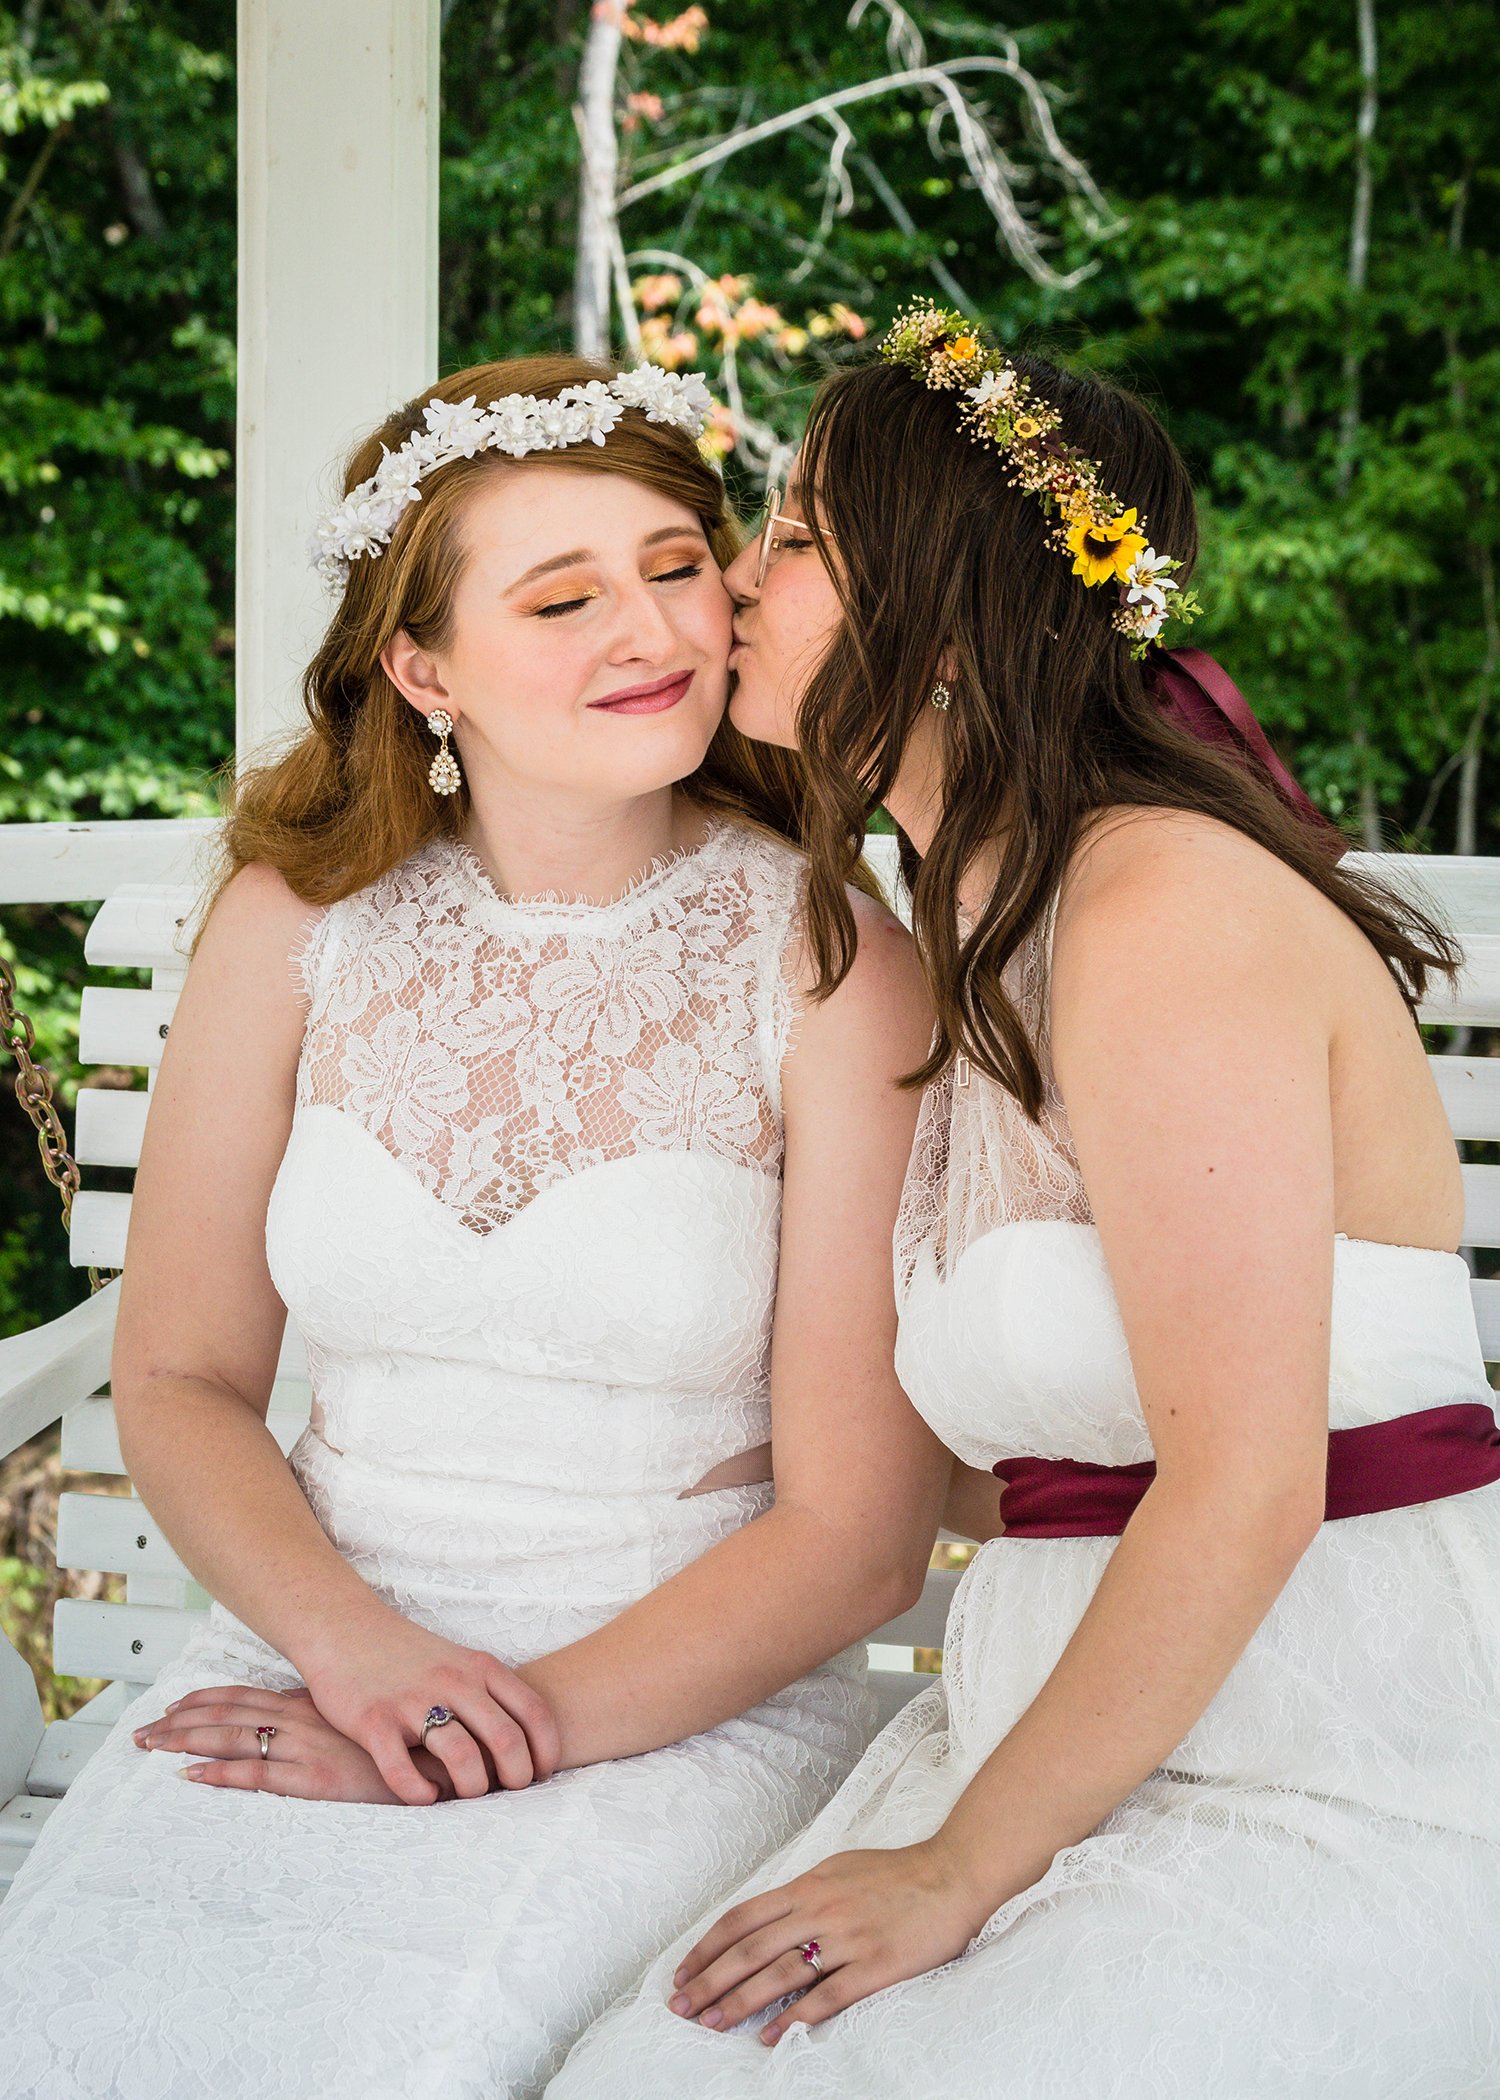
{"points": [[338, 187]]}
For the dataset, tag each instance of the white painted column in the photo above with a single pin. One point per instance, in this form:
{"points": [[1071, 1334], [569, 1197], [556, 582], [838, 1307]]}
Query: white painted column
{"points": [[338, 193]]}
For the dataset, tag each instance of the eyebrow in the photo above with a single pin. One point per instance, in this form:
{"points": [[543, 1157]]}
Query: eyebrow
{"points": [[582, 554]]}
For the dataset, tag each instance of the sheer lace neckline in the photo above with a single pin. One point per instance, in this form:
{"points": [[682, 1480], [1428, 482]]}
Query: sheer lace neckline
{"points": [[661, 876]]}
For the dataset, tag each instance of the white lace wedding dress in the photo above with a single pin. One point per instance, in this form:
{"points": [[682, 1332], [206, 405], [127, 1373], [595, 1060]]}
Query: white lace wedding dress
{"points": [[527, 1221], [1304, 1903]]}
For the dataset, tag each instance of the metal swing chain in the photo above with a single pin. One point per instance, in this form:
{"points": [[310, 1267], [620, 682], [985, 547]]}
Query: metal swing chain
{"points": [[33, 1089]]}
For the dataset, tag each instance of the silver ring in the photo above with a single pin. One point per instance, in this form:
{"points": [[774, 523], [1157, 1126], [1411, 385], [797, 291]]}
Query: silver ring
{"points": [[809, 1950], [437, 1717], [263, 1737]]}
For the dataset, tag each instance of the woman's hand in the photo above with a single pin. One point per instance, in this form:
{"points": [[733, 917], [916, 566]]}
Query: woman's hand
{"points": [[376, 1679], [877, 1918], [307, 1759]]}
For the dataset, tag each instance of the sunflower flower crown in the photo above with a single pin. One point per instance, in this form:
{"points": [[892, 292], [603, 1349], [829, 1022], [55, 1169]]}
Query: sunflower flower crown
{"points": [[1108, 543], [361, 523]]}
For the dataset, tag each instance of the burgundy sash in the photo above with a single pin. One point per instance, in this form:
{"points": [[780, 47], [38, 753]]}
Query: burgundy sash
{"points": [[1421, 1457], [1199, 694]]}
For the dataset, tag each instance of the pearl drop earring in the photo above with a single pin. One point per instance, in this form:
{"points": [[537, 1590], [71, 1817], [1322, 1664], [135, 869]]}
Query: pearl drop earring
{"points": [[443, 772]]}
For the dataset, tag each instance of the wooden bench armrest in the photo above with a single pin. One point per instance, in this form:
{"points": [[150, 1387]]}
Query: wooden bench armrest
{"points": [[46, 1370]]}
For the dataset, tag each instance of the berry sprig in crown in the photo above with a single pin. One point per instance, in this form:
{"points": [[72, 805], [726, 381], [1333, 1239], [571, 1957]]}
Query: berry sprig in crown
{"points": [[1108, 542]]}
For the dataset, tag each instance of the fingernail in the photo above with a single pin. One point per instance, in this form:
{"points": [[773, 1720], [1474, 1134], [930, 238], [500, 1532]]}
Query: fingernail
{"points": [[769, 2035], [190, 1771], [172, 1705], [140, 1735], [680, 2003], [712, 2017], [680, 1974]]}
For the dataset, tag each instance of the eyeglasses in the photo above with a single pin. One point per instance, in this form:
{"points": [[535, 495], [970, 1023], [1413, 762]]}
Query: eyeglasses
{"points": [[778, 532]]}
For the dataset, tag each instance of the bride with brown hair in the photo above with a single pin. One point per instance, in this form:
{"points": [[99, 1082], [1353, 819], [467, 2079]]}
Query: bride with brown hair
{"points": [[1206, 1803], [495, 1066]]}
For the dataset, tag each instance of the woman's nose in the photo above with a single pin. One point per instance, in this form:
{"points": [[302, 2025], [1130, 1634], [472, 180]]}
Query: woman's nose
{"points": [[645, 629], [739, 577]]}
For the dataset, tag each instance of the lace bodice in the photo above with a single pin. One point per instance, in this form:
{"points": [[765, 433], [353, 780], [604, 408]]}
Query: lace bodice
{"points": [[978, 1161], [496, 1046]]}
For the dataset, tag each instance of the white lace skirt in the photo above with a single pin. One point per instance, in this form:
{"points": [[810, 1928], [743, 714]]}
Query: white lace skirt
{"points": [[175, 1942], [1305, 1906]]}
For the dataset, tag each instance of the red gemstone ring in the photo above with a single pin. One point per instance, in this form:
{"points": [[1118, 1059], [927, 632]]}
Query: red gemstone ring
{"points": [[263, 1737], [810, 1950]]}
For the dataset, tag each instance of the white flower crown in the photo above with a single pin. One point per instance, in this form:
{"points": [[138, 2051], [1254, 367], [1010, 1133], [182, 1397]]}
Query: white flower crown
{"points": [[517, 424]]}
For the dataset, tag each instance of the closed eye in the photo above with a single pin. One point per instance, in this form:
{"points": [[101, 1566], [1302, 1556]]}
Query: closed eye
{"points": [[567, 605]]}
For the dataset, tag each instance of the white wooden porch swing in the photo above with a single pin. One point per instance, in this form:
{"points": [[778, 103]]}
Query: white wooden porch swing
{"points": [[337, 320]]}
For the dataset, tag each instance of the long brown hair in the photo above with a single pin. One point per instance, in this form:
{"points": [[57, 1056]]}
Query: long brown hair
{"points": [[351, 798], [942, 562]]}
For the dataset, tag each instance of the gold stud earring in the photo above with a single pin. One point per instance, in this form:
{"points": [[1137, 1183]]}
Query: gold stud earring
{"points": [[443, 772], [942, 698]]}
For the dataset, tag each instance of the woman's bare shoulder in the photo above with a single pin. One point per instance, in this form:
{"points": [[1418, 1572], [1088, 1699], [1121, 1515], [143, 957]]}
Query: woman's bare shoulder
{"points": [[248, 941], [1181, 869], [879, 1017]]}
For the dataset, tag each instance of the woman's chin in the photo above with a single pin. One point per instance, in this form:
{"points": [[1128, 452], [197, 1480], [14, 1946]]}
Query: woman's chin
{"points": [[753, 718]]}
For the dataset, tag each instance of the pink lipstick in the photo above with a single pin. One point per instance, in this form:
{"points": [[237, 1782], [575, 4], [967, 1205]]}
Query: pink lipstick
{"points": [[653, 699]]}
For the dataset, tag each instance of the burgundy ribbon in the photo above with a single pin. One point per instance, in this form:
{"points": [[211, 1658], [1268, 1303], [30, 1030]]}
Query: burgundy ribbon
{"points": [[1421, 1457], [1199, 694]]}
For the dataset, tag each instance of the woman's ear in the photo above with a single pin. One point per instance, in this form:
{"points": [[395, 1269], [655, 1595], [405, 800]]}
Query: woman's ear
{"points": [[414, 673]]}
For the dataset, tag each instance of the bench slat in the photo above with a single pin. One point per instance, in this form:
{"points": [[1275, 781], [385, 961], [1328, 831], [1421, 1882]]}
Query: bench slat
{"points": [[23, 1817], [140, 927], [109, 1125], [1486, 1296], [115, 1534], [922, 1626], [1470, 1091], [1481, 1206], [117, 1027], [96, 1236], [65, 1749], [133, 1641], [20, 1821], [893, 1688]]}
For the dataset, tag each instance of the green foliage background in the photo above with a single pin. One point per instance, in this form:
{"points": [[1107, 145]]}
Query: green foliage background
{"points": [[1348, 572]]}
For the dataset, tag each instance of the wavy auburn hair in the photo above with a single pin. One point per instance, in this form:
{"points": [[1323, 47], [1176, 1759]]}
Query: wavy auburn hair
{"points": [[351, 798], [940, 560]]}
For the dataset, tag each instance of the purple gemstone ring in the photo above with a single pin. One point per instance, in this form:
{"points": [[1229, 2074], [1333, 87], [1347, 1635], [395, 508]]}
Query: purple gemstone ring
{"points": [[437, 1717]]}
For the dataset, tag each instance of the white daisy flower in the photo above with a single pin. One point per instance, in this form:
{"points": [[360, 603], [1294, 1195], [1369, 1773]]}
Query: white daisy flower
{"points": [[995, 386], [1145, 584]]}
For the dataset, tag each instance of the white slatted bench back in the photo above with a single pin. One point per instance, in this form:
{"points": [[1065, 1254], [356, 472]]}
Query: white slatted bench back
{"points": [[139, 927]]}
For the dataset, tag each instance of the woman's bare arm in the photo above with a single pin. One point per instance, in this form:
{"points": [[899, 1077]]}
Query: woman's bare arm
{"points": [[200, 1321], [859, 1478], [195, 1356], [1191, 1025]]}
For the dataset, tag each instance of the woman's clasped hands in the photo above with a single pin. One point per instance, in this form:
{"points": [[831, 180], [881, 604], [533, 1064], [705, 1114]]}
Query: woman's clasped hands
{"points": [[352, 1731], [872, 1919]]}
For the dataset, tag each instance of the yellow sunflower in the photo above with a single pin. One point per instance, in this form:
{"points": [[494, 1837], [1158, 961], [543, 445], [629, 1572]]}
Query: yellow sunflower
{"points": [[1027, 426], [1102, 553]]}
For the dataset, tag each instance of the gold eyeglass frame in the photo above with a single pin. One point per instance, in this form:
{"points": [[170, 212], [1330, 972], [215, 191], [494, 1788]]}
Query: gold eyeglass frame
{"points": [[769, 543]]}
